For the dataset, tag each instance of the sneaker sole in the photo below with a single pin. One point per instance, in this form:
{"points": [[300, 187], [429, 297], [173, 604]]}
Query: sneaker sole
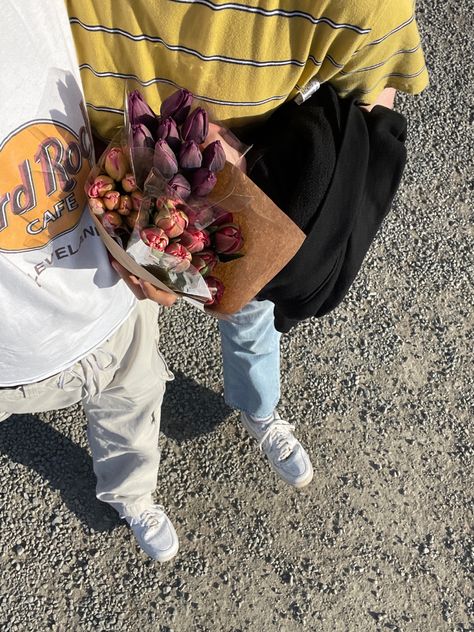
{"points": [[162, 557], [296, 484]]}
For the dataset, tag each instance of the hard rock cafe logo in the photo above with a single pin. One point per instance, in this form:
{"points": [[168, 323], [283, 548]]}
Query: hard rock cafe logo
{"points": [[43, 168]]}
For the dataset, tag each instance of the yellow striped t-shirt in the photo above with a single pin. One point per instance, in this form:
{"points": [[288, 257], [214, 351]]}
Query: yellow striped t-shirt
{"points": [[242, 58]]}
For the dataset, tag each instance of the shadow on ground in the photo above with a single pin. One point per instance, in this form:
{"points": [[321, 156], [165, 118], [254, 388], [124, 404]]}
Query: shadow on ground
{"points": [[189, 410]]}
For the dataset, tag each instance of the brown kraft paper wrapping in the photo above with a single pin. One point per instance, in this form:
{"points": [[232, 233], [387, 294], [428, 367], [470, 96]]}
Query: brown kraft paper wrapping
{"points": [[271, 239]]}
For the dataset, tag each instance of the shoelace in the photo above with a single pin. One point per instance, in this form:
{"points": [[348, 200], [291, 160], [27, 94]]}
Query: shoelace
{"points": [[279, 435], [152, 517]]}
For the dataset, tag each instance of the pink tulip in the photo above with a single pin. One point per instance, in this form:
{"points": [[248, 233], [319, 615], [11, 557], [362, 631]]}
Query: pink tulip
{"points": [[182, 256], [173, 222], [228, 239], [116, 163], [195, 240], [111, 220], [131, 219], [137, 199], [205, 262], [216, 288], [129, 183], [125, 205], [97, 206], [154, 237], [100, 186], [111, 200]]}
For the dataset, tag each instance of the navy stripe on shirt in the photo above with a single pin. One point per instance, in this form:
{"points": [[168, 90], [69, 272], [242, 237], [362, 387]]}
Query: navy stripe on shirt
{"points": [[150, 38], [155, 80], [278, 12]]}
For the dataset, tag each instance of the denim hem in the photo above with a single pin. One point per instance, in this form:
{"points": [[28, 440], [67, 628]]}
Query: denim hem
{"points": [[252, 412]]}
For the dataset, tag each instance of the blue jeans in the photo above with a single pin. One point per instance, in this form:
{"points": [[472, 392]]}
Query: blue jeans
{"points": [[251, 358]]}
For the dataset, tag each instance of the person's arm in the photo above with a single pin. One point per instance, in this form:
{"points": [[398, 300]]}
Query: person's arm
{"points": [[385, 98]]}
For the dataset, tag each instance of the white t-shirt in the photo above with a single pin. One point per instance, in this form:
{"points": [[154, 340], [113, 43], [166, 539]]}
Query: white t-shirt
{"points": [[59, 296]]}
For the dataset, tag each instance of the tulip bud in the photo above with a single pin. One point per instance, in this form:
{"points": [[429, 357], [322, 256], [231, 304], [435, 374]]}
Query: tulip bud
{"points": [[111, 220], [168, 131], [142, 137], [179, 184], [140, 112], [111, 200], [131, 219], [173, 222], [203, 181], [196, 126], [116, 163], [194, 239], [216, 288], [190, 156], [227, 239], [182, 255], [177, 105], [165, 160], [97, 206], [205, 262], [125, 205], [100, 186], [137, 199], [213, 156], [129, 183], [155, 238]]}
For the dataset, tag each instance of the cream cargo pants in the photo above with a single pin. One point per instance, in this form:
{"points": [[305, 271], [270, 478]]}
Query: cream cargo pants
{"points": [[121, 384]]}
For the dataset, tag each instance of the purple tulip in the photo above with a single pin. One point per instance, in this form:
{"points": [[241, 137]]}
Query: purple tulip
{"points": [[179, 184], [142, 137], [213, 157], [203, 181], [190, 156], [196, 126], [168, 131], [140, 112], [177, 105], [165, 160]]}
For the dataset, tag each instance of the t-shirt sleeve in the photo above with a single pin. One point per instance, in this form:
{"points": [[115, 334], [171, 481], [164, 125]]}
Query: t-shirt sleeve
{"points": [[390, 56]]}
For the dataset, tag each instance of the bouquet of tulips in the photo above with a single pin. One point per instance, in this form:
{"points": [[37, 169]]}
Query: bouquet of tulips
{"points": [[165, 197], [170, 225]]}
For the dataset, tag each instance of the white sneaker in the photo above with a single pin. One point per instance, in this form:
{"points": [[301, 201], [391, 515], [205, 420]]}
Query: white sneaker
{"points": [[285, 453], [155, 533]]}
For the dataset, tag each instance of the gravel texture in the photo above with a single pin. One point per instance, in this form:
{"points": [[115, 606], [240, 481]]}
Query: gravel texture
{"points": [[382, 391]]}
